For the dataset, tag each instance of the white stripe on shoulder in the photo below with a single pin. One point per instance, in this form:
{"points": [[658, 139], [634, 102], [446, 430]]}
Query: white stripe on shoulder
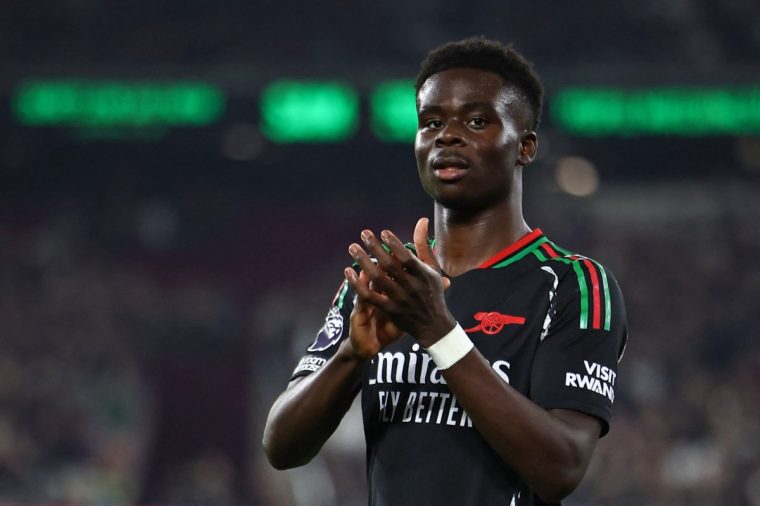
{"points": [[552, 303]]}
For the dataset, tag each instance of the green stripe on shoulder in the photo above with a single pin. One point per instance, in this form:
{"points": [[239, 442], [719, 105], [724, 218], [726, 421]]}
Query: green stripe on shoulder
{"points": [[520, 255], [606, 289], [578, 268], [561, 250], [584, 293], [582, 286], [340, 300]]}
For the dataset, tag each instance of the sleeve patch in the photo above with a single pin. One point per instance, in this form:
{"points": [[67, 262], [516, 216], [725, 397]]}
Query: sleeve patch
{"points": [[330, 333], [309, 364], [596, 378]]}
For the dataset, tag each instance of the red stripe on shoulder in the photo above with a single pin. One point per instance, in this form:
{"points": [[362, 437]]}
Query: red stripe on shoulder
{"points": [[549, 250], [595, 294], [512, 248]]}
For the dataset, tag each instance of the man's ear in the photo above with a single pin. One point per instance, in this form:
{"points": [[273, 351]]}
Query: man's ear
{"points": [[528, 148]]}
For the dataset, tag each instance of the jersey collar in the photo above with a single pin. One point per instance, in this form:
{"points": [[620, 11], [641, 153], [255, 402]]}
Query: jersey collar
{"points": [[515, 251]]}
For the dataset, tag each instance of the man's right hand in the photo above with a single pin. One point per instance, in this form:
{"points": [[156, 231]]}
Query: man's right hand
{"points": [[370, 330]]}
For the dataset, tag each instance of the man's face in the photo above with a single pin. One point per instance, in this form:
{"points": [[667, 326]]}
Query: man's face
{"points": [[473, 132]]}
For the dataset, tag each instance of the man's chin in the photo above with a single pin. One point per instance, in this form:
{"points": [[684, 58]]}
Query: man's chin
{"points": [[460, 203]]}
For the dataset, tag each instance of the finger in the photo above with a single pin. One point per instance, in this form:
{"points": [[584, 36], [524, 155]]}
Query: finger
{"points": [[363, 292], [386, 261], [362, 259], [363, 310], [405, 261], [378, 279], [372, 286], [413, 264], [422, 244], [425, 252]]}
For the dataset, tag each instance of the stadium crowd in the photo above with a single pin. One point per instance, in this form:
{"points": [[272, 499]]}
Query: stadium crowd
{"points": [[135, 370]]}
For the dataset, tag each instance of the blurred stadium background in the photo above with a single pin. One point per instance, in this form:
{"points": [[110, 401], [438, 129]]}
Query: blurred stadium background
{"points": [[179, 182]]}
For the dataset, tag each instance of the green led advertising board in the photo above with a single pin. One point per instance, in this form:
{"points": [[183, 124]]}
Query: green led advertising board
{"points": [[309, 111], [394, 111], [112, 103], [683, 111]]}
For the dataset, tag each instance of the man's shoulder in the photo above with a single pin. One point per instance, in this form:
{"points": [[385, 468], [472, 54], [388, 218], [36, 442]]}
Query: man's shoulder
{"points": [[586, 285], [551, 254]]}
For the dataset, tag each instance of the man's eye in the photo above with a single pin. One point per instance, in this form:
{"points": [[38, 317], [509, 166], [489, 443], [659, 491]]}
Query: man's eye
{"points": [[434, 123], [477, 122]]}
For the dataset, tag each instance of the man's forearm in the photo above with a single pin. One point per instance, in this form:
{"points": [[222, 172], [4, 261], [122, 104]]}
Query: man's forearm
{"points": [[549, 450], [309, 411]]}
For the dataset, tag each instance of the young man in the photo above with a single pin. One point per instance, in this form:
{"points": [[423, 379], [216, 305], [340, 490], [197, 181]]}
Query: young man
{"points": [[486, 358]]}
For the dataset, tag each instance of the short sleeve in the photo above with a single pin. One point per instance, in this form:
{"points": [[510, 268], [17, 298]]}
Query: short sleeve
{"points": [[575, 366], [329, 336]]}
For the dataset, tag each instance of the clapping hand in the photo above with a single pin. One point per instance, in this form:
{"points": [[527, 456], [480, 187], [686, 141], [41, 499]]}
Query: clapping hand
{"points": [[398, 292]]}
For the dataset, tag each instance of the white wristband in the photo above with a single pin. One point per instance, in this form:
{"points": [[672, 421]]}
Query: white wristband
{"points": [[450, 349]]}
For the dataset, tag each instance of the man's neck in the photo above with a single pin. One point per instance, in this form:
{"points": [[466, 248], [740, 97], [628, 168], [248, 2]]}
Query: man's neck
{"points": [[465, 240]]}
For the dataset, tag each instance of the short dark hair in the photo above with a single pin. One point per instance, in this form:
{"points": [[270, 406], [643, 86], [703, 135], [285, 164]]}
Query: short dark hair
{"points": [[484, 54]]}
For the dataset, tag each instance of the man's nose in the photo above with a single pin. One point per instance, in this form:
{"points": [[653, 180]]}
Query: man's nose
{"points": [[450, 135]]}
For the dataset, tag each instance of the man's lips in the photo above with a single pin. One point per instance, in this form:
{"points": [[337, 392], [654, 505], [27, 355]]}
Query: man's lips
{"points": [[441, 162], [450, 168], [450, 174]]}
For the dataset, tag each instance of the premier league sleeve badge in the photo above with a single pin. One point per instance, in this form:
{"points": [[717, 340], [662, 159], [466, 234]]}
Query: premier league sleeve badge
{"points": [[330, 332]]}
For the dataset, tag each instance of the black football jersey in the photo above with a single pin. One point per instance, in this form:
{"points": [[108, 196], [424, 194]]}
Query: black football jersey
{"points": [[551, 324]]}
